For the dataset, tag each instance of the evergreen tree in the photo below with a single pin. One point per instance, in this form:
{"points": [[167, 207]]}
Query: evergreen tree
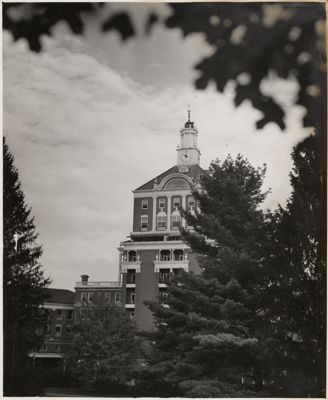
{"points": [[295, 294], [104, 351], [207, 339], [23, 282]]}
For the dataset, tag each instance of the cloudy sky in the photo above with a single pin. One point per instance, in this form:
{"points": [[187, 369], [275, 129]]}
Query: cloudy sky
{"points": [[90, 119]]}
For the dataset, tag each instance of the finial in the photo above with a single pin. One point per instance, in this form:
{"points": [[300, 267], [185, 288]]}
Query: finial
{"points": [[189, 112]]}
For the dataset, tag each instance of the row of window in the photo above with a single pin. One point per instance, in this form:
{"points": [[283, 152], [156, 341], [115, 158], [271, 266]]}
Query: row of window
{"points": [[59, 314], [165, 255], [161, 222], [176, 203], [58, 330], [62, 314], [89, 297], [56, 349]]}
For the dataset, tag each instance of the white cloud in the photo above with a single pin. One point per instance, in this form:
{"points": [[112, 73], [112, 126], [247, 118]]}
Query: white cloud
{"points": [[84, 136]]}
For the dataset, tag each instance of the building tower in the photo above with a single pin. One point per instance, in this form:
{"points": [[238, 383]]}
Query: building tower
{"points": [[155, 250]]}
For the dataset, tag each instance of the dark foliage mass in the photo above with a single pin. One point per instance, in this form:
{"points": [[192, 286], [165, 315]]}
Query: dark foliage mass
{"points": [[248, 39], [104, 351], [207, 340], [253, 39], [294, 290], [23, 284], [252, 324]]}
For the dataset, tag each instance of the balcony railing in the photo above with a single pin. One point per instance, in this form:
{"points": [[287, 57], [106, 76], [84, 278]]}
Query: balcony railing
{"points": [[99, 284], [130, 278], [165, 277]]}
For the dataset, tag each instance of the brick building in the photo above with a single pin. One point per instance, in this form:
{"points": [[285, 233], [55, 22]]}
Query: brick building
{"points": [[91, 294], [59, 309], [155, 250]]}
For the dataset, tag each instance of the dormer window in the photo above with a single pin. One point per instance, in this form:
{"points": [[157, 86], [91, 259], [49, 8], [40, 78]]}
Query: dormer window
{"points": [[144, 204]]}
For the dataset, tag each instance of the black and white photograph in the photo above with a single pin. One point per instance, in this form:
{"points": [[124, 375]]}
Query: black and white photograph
{"points": [[164, 199]]}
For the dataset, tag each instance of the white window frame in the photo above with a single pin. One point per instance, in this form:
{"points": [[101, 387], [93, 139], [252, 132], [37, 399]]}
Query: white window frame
{"points": [[144, 222], [107, 297], [161, 222], [118, 295], [84, 297], [176, 220], [144, 204], [176, 202], [90, 297], [59, 313], [69, 312], [191, 204], [162, 202]]}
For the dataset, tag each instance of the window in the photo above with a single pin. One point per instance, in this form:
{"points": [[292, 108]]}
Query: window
{"points": [[144, 204], [191, 204], [58, 330], [131, 314], [176, 202], [107, 297], [59, 314], [83, 313], [130, 278], [68, 330], [176, 220], [178, 255], [69, 314], [161, 221], [144, 222], [118, 297], [44, 347], [133, 298], [164, 277], [58, 349], [90, 297], [83, 297], [161, 203], [165, 255], [132, 256]]}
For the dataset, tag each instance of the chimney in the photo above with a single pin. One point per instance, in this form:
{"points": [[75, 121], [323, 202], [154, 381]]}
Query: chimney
{"points": [[84, 279]]}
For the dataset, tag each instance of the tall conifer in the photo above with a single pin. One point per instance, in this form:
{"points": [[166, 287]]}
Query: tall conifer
{"points": [[207, 341], [294, 296], [23, 282]]}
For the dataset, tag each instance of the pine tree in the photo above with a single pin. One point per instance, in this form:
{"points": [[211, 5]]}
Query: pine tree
{"points": [[23, 282], [207, 340], [295, 296], [104, 351]]}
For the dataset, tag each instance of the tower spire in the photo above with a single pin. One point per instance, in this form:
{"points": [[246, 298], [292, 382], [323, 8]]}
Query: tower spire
{"points": [[189, 110]]}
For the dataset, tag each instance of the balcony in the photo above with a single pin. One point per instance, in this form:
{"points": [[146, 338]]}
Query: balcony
{"points": [[128, 265], [130, 280], [171, 265], [98, 284]]}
